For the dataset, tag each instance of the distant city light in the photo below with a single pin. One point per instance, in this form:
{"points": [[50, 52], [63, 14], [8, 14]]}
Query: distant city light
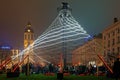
{"points": [[5, 47]]}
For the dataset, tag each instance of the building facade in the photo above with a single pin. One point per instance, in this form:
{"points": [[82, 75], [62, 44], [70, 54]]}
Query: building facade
{"points": [[111, 40], [87, 53], [5, 52], [16, 52]]}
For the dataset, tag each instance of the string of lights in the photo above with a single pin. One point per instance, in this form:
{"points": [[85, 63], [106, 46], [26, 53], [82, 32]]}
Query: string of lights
{"points": [[63, 30]]}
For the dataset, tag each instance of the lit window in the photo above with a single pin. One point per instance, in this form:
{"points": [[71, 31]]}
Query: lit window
{"points": [[104, 38], [118, 49], [113, 41], [118, 30], [118, 39], [113, 50], [25, 37], [113, 33], [108, 43], [109, 35]]}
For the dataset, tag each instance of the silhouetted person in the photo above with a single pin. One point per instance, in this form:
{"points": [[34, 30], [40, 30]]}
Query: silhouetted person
{"points": [[27, 68], [50, 68], [116, 69]]}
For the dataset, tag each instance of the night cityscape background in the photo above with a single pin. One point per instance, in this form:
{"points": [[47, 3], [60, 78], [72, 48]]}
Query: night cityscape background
{"points": [[60, 38], [93, 16]]}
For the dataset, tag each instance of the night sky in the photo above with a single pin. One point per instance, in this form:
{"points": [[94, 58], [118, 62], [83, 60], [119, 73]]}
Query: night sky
{"points": [[93, 15]]}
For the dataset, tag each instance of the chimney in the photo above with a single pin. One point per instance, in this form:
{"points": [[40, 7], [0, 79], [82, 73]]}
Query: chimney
{"points": [[115, 20]]}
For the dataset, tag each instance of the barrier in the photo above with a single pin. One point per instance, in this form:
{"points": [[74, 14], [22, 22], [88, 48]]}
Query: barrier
{"points": [[5, 62], [19, 63], [59, 76], [100, 57], [13, 74]]}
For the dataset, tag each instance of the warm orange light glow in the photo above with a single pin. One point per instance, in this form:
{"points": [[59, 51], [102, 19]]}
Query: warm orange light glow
{"points": [[28, 30]]}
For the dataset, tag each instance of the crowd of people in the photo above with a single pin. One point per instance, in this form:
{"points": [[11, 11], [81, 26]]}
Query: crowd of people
{"points": [[76, 70], [116, 69], [50, 68]]}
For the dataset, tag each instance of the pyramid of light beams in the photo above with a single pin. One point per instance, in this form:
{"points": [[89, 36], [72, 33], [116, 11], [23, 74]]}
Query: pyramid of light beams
{"points": [[61, 37]]}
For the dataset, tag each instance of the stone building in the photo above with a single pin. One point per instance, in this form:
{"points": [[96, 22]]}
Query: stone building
{"points": [[87, 53], [111, 41]]}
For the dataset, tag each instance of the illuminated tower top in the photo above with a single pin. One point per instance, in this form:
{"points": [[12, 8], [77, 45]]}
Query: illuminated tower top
{"points": [[28, 28], [28, 35]]}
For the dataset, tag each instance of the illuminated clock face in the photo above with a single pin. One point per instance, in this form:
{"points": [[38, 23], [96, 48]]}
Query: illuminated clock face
{"points": [[28, 30]]}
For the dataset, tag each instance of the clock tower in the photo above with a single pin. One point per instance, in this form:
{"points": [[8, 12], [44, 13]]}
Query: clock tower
{"points": [[28, 39], [28, 35]]}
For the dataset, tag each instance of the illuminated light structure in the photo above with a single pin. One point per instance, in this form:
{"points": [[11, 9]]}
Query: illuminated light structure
{"points": [[5, 63], [14, 53], [61, 37]]}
